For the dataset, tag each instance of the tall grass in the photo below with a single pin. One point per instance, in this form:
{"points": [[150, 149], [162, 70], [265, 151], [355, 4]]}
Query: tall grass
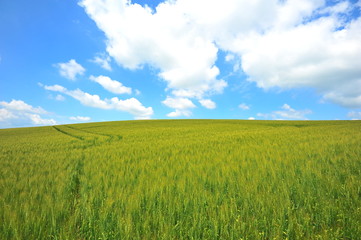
{"points": [[182, 179]]}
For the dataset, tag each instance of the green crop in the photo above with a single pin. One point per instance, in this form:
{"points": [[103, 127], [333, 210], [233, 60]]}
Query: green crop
{"points": [[182, 179]]}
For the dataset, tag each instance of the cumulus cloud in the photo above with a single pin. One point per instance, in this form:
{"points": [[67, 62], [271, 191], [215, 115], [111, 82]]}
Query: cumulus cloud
{"points": [[180, 113], [21, 106], [166, 39], [80, 119], [243, 106], [102, 60], [280, 44], [208, 103], [181, 106], [6, 115], [132, 105], [70, 69], [111, 85], [178, 103], [37, 120], [17, 113], [311, 55], [55, 88], [286, 113]]}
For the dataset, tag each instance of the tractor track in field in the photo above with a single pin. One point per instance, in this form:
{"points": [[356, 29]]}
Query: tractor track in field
{"points": [[93, 140], [75, 194], [111, 137], [67, 133]]}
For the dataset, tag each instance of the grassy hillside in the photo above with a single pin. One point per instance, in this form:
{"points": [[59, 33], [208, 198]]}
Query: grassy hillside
{"points": [[182, 179]]}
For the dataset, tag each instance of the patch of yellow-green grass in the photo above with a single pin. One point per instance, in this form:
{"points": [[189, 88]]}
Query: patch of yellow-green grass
{"points": [[182, 179]]}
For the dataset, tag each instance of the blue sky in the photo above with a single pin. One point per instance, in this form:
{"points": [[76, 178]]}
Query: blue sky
{"points": [[99, 60]]}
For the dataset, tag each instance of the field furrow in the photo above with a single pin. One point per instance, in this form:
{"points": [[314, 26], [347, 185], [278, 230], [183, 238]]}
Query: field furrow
{"points": [[67, 133]]}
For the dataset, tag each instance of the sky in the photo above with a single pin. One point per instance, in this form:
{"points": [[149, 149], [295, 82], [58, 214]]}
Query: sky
{"points": [[78, 61]]}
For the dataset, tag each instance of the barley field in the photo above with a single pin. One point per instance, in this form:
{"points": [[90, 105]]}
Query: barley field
{"points": [[182, 179]]}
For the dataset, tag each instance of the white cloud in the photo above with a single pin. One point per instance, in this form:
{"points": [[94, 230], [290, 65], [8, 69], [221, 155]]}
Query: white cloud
{"points": [[132, 105], [166, 39], [17, 113], [111, 85], [21, 106], [180, 113], [310, 55], [181, 106], [70, 69], [229, 57], [243, 106], [37, 120], [55, 88], [102, 60], [251, 118], [207, 103], [286, 113], [81, 119], [281, 44], [354, 115], [187, 93], [178, 103], [87, 99], [338, 8], [6, 115], [59, 97]]}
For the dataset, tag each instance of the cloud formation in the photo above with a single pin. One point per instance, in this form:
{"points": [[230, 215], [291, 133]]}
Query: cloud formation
{"points": [[180, 105], [111, 85], [59, 97], [70, 69], [208, 103], [310, 55], [18, 113], [279, 44], [81, 119], [6, 115], [243, 106], [166, 39], [131, 105], [287, 113], [21, 106], [102, 60]]}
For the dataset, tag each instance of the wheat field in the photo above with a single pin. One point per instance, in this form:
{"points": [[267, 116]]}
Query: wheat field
{"points": [[182, 179]]}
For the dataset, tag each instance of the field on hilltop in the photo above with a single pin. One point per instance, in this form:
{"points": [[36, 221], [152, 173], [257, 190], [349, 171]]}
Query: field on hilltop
{"points": [[182, 179]]}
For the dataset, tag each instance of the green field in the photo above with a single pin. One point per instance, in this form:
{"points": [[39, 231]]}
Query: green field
{"points": [[182, 179]]}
